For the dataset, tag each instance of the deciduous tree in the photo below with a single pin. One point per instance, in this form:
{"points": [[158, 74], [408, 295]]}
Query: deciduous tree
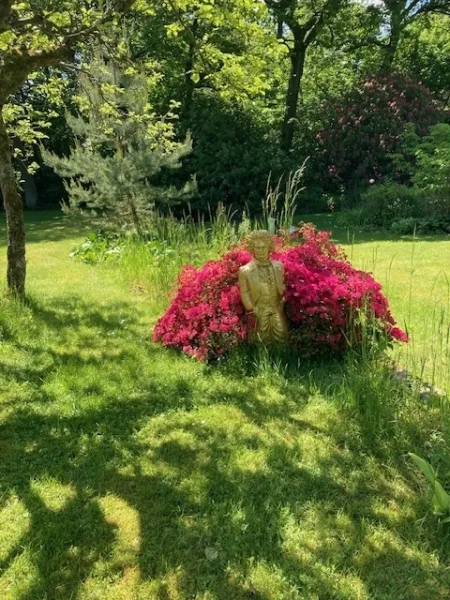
{"points": [[36, 34], [298, 25]]}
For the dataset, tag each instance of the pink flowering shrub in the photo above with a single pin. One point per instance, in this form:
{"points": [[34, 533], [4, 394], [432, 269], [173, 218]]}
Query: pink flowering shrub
{"points": [[324, 296], [366, 127]]}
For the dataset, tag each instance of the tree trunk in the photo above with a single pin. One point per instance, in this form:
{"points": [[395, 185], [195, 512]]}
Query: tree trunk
{"points": [[391, 49], [29, 186], [189, 84], [134, 216], [298, 56], [15, 228], [280, 25]]}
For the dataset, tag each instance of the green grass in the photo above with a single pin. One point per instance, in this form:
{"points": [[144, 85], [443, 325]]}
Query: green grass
{"points": [[127, 471]]}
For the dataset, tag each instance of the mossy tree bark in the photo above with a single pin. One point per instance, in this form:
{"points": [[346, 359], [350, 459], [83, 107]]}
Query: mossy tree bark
{"points": [[297, 56], [16, 269]]}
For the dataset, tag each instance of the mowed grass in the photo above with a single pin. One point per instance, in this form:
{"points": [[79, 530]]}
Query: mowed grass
{"points": [[130, 472], [415, 275]]}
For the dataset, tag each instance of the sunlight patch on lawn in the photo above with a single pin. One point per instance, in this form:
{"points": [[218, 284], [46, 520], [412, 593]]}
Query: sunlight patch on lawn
{"points": [[14, 523], [54, 494], [20, 575]]}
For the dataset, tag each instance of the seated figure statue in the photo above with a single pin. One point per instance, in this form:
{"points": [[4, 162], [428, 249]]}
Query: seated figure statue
{"points": [[261, 284]]}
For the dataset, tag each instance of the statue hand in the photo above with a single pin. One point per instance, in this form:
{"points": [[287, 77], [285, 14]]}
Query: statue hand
{"points": [[255, 311]]}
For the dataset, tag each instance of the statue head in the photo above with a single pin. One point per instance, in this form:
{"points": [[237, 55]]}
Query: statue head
{"points": [[260, 243]]}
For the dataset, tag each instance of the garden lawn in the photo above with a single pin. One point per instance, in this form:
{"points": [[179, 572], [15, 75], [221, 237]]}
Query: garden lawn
{"points": [[130, 472], [415, 275]]}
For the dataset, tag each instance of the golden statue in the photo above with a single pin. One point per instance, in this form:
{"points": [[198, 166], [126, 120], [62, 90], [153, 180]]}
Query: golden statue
{"points": [[261, 283]]}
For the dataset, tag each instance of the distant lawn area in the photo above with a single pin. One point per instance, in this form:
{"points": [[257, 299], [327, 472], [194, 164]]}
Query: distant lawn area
{"points": [[130, 472]]}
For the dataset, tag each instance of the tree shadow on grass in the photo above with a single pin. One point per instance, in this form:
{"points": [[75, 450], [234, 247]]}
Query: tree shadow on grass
{"points": [[227, 502], [54, 226], [47, 226], [241, 515], [345, 235]]}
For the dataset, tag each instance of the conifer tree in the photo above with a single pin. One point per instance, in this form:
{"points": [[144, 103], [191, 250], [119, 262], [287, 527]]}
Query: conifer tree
{"points": [[119, 147]]}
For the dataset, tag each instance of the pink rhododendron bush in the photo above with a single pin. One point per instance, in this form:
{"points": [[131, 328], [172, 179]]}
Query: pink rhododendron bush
{"points": [[366, 128], [325, 298]]}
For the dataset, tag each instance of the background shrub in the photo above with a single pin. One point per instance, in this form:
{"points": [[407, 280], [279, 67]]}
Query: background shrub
{"points": [[432, 174], [412, 225], [384, 203], [366, 125], [423, 204], [234, 153]]}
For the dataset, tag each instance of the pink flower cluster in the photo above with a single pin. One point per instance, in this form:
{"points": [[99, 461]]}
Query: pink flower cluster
{"points": [[206, 318], [324, 296]]}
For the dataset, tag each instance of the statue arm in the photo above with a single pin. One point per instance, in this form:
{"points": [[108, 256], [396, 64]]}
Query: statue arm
{"points": [[245, 292]]}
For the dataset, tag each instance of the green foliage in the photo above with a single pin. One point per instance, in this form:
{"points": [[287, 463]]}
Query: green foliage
{"points": [[38, 35], [368, 391], [98, 247], [384, 203], [423, 205], [280, 204], [430, 225], [236, 55], [233, 155], [119, 147], [31, 112], [225, 46], [423, 51], [441, 500], [351, 219], [432, 175], [339, 60]]}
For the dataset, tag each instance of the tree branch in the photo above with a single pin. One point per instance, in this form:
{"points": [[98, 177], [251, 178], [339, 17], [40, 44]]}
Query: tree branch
{"points": [[409, 8], [5, 10], [314, 26], [122, 7], [13, 23], [365, 44], [14, 73], [436, 9], [439, 6]]}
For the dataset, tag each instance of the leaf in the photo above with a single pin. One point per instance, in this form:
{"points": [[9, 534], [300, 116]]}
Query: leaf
{"points": [[60, 19], [22, 6], [173, 29], [442, 497], [426, 468], [6, 39], [437, 509]]}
